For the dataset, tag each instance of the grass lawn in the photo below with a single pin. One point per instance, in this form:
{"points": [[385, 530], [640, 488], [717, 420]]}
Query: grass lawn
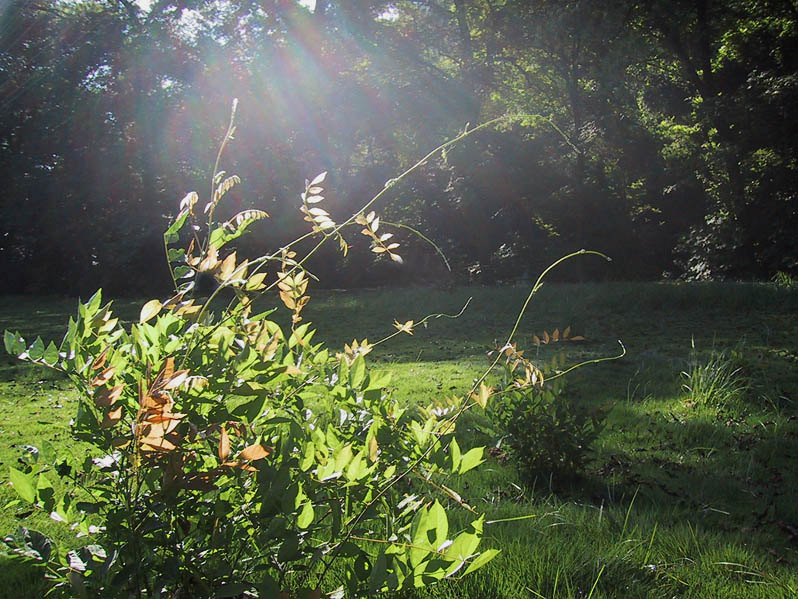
{"points": [[687, 494]]}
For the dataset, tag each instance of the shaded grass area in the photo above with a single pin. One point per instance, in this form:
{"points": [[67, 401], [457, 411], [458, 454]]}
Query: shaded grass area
{"points": [[683, 497]]}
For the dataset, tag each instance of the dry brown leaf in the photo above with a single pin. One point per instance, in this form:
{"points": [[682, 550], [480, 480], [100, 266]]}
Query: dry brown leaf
{"points": [[254, 452], [112, 417], [105, 397], [102, 378]]}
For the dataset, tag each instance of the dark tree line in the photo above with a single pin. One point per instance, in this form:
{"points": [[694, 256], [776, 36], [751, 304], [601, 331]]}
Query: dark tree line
{"points": [[659, 132]]}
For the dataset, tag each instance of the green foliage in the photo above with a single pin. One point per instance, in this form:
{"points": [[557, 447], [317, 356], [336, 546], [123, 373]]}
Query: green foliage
{"points": [[716, 381], [230, 455], [543, 432]]}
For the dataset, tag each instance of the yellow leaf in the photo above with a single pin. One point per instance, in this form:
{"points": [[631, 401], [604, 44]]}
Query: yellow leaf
{"points": [[211, 260], [228, 266], [255, 282], [224, 445], [577, 338], [546, 337], [406, 327], [378, 249], [536, 339], [373, 447], [566, 332], [555, 336], [149, 310], [483, 395]]}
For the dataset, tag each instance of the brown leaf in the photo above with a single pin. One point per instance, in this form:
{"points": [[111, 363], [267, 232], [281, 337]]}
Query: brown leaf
{"points": [[102, 378], [99, 361], [546, 337], [105, 398], [112, 417], [566, 332], [154, 400], [555, 336], [177, 379], [160, 444], [254, 452]]}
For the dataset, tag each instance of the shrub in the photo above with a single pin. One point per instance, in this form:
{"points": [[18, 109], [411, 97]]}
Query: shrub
{"points": [[229, 456], [544, 433]]}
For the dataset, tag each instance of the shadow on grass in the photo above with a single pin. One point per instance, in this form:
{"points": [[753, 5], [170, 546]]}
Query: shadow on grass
{"points": [[22, 579]]}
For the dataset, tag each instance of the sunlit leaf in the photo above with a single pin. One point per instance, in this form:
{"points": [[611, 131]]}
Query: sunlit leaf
{"points": [[224, 445], [112, 417], [105, 397], [397, 258], [318, 179], [23, 484], [99, 361], [254, 452], [471, 459], [103, 377], [483, 395], [305, 517], [373, 447], [227, 267], [482, 559], [566, 332], [149, 310]]}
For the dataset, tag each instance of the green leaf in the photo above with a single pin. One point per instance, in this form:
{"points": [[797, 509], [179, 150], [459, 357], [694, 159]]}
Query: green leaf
{"points": [[378, 572], [51, 355], [23, 484], [45, 492], [171, 234], [472, 459], [289, 548], [36, 351], [235, 227], [454, 451], [94, 302], [233, 589], [305, 517], [12, 342], [357, 372], [378, 380], [482, 559]]}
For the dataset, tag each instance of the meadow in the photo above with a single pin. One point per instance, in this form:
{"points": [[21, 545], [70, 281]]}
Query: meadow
{"points": [[690, 488]]}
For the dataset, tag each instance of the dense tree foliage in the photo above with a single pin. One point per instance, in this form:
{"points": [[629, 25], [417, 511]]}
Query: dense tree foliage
{"points": [[658, 132]]}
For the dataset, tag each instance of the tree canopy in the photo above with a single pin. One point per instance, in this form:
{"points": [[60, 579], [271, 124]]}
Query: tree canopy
{"points": [[657, 132]]}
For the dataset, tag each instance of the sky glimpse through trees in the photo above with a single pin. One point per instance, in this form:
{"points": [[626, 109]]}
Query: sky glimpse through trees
{"points": [[660, 133]]}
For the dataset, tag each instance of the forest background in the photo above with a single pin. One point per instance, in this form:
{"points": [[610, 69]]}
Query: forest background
{"points": [[659, 132]]}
